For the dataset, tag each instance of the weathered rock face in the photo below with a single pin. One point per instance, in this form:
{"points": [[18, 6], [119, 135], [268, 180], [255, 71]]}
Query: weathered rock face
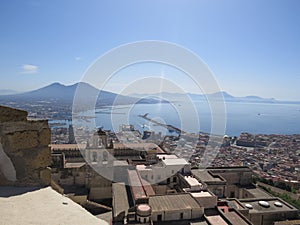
{"points": [[24, 151], [10, 115]]}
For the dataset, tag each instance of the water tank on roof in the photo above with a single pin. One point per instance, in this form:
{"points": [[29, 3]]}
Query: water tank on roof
{"points": [[143, 212]]}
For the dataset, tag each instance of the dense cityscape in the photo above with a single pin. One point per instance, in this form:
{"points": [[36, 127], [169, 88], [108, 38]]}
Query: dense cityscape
{"points": [[153, 112], [137, 176]]}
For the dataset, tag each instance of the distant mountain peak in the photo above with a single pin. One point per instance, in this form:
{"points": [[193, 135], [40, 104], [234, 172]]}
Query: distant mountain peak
{"points": [[58, 93], [55, 84], [224, 93]]}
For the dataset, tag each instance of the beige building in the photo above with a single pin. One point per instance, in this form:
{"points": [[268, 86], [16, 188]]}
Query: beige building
{"points": [[215, 183], [228, 182], [265, 211], [174, 207]]}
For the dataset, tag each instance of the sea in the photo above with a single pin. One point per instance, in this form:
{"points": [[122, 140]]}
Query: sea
{"points": [[231, 118]]}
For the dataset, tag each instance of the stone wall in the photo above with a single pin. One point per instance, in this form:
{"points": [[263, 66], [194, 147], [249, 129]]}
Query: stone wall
{"points": [[25, 156]]}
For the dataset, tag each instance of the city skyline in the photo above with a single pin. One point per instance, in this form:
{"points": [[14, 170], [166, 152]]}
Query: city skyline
{"points": [[252, 47]]}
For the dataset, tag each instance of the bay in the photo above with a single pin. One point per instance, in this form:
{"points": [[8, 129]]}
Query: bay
{"points": [[256, 118]]}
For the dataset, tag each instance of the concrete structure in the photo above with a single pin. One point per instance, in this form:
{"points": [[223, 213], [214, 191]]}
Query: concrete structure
{"points": [[143, 213], [235, 177], [288, 222], [214, 182], [27, 206], [175, 207], [260, 213], [120, 202], [138, 192], [135, 149], [223, 215], [226, 182], [205, 199]]}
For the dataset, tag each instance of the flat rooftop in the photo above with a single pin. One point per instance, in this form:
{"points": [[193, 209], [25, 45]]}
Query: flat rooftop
{"points": [[175, 162], [67, 146], [229, 169], [216, 220], [166, 156], [139, 146], [24, 206], [205, 176], [199, 223], [201, 194], [236, 219], [193, 182], [257, 208], [74, 165], [290, 222], [172, 202], [258, 193]]}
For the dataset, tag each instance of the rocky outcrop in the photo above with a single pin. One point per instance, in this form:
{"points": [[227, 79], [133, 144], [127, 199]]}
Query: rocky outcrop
{"points": [[25, 156]]}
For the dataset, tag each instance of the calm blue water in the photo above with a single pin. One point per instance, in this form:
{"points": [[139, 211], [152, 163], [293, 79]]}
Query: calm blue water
{"points": [[267, 118]]}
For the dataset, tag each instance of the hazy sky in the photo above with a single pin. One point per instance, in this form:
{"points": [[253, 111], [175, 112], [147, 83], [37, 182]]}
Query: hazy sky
{"points": [[252, 47]]}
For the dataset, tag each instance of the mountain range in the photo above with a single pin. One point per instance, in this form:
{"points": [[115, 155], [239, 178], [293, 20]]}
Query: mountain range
{"points": [[218, 96], [55, 101], [57, 93]]}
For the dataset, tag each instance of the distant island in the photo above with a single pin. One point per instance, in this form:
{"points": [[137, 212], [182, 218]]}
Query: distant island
{"points": [[218, 96]]}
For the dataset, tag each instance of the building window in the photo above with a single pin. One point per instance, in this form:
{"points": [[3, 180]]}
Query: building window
{"points": [[105, 156], [94, 156], [159, 217], [181, 216]]}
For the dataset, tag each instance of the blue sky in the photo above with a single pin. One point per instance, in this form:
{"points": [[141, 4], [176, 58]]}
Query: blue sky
{"points": [[252, 47]]}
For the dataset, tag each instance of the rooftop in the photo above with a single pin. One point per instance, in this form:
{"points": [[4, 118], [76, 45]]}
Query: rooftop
{"points": [[74, 165], [290, 222], [120, 200], [139, 146], [172, 202], [175, 162], [235, 218], [229, 169], [166, 156], [216, 220], [258, 193], [201, 194], [67, 146], [136, 185], [24, 206], [258, 208], [205, 176]]}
